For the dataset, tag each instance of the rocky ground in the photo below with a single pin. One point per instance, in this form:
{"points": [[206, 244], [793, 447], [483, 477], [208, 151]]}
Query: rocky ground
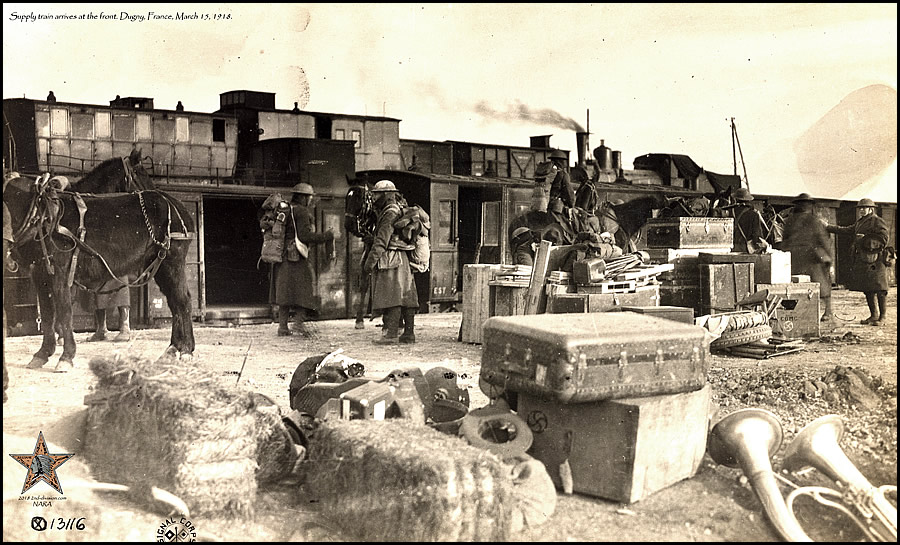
{"points": [[851, 371]]}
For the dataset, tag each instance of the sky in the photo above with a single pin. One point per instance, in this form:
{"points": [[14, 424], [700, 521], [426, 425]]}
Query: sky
{"points": [[811, 87]]}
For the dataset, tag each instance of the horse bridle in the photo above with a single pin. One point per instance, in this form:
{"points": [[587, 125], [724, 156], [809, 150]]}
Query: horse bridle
{"points": [[360, 216]]}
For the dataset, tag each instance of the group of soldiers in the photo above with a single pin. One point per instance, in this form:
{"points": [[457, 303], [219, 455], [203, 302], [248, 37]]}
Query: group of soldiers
{"points": [[392, 281]]}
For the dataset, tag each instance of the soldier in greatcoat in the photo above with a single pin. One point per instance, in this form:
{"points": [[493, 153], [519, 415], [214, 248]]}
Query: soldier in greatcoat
{"points": [[749, 227], [294, 279], [810, 246], [393, 283], [868, 272]]}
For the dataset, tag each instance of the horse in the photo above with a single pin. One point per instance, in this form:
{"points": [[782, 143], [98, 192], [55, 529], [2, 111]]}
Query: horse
{"points": [[90, 239], [360, 220], [116, 175]]}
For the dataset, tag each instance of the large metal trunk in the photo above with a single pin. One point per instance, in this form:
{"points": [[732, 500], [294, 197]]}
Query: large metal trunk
{"points": [[594, 356], [690, 232]]}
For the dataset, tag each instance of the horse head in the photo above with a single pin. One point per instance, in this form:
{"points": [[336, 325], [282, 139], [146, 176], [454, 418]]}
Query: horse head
{"points": [[117, 175], [360, 217]]}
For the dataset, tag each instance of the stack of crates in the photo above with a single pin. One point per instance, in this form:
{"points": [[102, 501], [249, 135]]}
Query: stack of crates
{"points": [[680, 241]]}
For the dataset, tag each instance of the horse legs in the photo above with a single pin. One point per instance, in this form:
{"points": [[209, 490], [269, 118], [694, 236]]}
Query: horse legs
{"points": [[48, 319], [172, 281], [63, 309], [366, 283]]}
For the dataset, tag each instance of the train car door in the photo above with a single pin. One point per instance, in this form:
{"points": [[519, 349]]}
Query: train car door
{"points": [[333, 281], [155, 304], [444, 243]]}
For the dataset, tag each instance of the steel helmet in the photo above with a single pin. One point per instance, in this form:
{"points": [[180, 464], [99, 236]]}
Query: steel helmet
{"points": [[558, 154], [803, 197], [303, 189], [743, 194], [865, 203], [520, 231], [384, 186]]}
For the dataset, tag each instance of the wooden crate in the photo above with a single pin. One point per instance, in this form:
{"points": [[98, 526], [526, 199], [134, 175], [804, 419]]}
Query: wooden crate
{"points": [[562, 303], [624, 449], [476, 300], [508, 299], [770, 268], [797, 316], [679, 314], [723, 285]]}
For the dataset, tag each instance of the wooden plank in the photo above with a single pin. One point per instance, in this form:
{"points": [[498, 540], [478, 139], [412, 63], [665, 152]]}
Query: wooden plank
{"points": [[476, 304], [614, 446], [536, 294], [645, 271]]}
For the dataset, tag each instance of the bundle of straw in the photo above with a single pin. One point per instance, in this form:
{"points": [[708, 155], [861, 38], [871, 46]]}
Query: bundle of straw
{"points": [[167, 424], [393, 480]]}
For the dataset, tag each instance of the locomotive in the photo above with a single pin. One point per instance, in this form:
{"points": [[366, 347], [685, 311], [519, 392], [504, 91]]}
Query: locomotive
{"points": [[224, 164]]}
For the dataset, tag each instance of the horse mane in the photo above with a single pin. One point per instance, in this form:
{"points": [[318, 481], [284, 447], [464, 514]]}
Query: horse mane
{"points": [[116, 175]]}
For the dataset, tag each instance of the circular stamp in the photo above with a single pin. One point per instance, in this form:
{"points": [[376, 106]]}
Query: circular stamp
{"points": [[176, 531]]}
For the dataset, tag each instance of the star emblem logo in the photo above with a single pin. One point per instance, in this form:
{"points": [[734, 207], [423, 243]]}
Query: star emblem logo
{"points": [[41, 465]]}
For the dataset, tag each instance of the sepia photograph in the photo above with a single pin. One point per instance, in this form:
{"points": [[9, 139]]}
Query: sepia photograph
{"points": [[440, 272]]}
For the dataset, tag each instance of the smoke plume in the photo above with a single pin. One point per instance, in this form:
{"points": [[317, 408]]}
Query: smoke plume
{"points": [[521, 112]]}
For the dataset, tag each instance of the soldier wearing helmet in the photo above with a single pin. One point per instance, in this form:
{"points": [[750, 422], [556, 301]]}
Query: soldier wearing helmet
{"points": [[522, 241], [562, 197], [393, 284], [810, 246], [750, 228], [294, 278], [870, 257]]}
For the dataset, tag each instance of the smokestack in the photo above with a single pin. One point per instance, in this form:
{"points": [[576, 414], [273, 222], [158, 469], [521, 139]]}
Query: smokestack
{"points": [[604, 156], [583, 147]]}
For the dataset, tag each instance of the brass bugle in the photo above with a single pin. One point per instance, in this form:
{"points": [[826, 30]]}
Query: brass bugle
{"points": [[818, 445], [748, 439]]}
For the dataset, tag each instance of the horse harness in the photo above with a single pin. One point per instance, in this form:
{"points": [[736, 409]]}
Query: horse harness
{"points": [[47, 209]]}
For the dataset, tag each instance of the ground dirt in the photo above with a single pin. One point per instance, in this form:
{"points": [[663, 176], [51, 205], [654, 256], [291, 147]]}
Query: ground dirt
{"points": [[715, 505]]}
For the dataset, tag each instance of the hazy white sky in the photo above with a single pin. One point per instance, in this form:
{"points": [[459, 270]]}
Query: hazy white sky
{"points": [[655, 77]]}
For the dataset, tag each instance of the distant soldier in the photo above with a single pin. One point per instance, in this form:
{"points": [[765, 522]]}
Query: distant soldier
{"points": [[749, 227], [808, 241], [522, 243], [562, 196], [868, 266]]}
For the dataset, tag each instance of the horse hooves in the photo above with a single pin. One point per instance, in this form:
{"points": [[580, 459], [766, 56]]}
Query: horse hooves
{"points": [[186, 356], [36, 363], [360, 325], [96, 337], [64, 366], [122, 338]]}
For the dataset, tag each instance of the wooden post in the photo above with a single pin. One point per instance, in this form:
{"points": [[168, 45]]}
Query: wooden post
{"points": [[536, 293]]}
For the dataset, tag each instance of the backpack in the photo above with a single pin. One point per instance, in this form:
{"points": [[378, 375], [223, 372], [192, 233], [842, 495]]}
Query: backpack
{"points": [[274, 216], [411, 233]]}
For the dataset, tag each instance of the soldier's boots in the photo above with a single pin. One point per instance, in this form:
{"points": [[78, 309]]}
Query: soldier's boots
{"points": [[124, 325], [409, 325], [389, 332], [283, 315], [100, 322]]}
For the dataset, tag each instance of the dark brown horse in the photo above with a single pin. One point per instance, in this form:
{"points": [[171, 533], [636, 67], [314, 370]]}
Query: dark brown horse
{"points": [[88, 240], [118, 175], [360, 220]]}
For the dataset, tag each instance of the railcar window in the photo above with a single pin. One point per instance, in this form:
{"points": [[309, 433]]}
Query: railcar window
{"points": [[59, 121], [339, 134], [182, 129], [101, 124], [446, 231], [218, 130], [357, 137], [42, 123], [143, 127], [82, 125], [201, 133], [123, 128], [164, 129], [490, 223]]}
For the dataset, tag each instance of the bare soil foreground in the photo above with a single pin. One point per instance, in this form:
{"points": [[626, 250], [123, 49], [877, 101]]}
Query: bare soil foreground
{"points": [[715, 505]]}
